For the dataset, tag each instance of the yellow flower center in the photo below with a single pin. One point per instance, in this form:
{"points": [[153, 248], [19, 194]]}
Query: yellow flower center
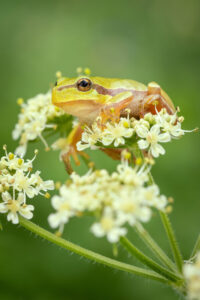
{"points": [[107, 223], [152, 138]]}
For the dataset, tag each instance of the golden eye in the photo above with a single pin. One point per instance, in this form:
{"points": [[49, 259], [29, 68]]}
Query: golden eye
{"points": [[84, 84]]}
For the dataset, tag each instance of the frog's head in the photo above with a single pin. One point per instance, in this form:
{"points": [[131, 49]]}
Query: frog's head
{"points": [[80, 96]]}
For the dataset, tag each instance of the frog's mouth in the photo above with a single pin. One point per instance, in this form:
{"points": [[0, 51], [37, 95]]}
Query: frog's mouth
{"points": [[86, 110]]}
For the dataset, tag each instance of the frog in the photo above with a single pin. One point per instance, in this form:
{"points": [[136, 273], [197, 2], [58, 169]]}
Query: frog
{"points": [[88, 97]]}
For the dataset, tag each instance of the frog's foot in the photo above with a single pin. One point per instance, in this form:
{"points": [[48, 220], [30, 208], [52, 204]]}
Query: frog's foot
{"points": [[72, 151], [113, 111]]}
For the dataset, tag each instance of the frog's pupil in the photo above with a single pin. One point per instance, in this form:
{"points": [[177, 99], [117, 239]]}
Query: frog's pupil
{"points": [[84, 83]]}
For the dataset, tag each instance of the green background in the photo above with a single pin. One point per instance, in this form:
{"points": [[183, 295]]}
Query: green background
{"points": [[141, 40]]}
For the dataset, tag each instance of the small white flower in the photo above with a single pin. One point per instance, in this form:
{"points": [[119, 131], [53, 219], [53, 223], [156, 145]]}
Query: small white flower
{"points": [[191, 272], [117, 132], [132, 176], [151, 138], [14, 207], [63, 213], [109, 227], [90, 137], [151, 196]]}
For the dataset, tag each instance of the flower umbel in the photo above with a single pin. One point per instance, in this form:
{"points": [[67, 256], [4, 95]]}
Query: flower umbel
{"points": [[17, 183], [115, 200], [34, 118], [149, 132]]}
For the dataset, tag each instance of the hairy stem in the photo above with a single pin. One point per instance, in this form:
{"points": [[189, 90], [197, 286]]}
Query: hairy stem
{"points": [[148, 261], [154, 247], [196, 247], [165, 219], [90, 254], [172, 239]]}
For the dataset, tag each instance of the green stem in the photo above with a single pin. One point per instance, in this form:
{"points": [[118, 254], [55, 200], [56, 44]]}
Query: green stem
{"points": [[165, 220], [154, 247], [148, 261], [172, 240], [90, 254], [196, 247]]}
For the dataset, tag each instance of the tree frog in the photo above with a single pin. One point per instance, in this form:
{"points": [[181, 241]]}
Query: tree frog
{"points": [[87, 97]]}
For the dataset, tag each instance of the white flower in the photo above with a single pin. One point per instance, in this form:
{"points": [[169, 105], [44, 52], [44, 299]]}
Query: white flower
{"points": [[151, 138], [63, 213], [192, 275], [117, 132], [90, 137], [33, 120], [109, 227], [128, 175], [151, 195], [130, 207], [14, 207]]}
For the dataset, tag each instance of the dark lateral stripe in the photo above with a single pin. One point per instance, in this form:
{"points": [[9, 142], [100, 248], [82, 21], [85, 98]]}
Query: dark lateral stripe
{"points": [[103, 91], [66, 87]]}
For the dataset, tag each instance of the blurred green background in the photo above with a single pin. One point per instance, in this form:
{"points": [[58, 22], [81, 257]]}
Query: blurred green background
{"points": [[142, 40]]}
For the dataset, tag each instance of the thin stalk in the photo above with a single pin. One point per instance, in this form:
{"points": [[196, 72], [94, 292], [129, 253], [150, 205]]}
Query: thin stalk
{"points": [[172, 239], [196, 247], [90, 254], [154, 247], [165, 220], [148, 261]]}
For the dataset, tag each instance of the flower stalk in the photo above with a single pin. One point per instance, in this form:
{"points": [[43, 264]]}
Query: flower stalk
{"points": [[154, 247], [98, 258], [148, 261], [196, 247], [172, 239]]}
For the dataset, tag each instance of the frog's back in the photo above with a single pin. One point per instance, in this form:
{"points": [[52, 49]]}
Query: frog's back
{"points": [[116, 83]]}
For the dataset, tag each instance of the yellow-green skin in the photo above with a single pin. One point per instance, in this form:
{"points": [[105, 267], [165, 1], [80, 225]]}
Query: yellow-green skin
{"points": [[108, 93]]}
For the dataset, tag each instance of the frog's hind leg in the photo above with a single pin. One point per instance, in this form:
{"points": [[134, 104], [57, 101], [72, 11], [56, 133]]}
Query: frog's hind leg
{"points": [[157, 99], [114, 153], [72, 151]]}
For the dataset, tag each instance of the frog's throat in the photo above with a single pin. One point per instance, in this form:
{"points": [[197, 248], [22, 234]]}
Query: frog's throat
{"points": [[85, 110]]}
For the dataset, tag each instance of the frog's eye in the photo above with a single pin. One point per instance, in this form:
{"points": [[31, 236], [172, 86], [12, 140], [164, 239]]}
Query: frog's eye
{"points": [[84, 84]]}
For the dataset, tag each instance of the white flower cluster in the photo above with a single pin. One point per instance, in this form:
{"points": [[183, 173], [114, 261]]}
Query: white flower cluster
{"points": [[149, 131], [110, 133], [192, 276], [115, 200], [33, 119], [17, 182]]}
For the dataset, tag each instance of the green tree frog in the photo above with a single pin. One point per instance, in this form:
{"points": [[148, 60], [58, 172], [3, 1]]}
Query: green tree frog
{"points": [[87, 97]]}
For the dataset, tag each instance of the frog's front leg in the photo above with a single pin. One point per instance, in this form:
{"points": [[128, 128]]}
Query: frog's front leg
{"points": [[71, 151], [112, 110]]}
